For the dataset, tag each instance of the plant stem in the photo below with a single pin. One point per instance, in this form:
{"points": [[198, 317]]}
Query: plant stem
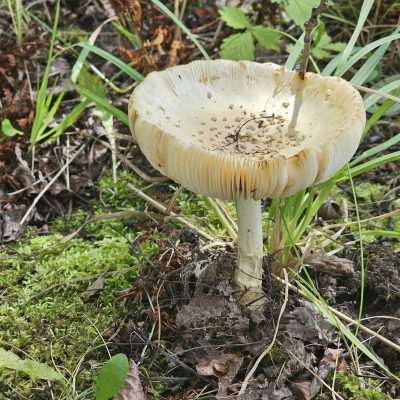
{"points": [[248, 274]]}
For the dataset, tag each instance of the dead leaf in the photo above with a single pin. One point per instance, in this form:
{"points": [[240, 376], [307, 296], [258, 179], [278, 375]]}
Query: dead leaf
{"points": [[302, 390], [173, 53], [93, 289], [223, 366], [10, 216], [332, 265], [331, 359], [132, 389]]}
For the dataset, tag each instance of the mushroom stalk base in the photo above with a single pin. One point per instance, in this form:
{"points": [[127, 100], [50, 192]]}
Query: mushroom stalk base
{"points": [[248, 274]]}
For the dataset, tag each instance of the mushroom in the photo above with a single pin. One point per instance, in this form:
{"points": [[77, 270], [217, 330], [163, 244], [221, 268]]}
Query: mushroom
{"points": [[245, 131]]}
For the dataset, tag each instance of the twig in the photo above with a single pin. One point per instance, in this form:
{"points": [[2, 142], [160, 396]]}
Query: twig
{"points": [[172, 202], [46, 188], [377, 92], [143, 175], [313, 373], [223, 214], [159, 314], [268, 349], [308, 28], [158, 206]]}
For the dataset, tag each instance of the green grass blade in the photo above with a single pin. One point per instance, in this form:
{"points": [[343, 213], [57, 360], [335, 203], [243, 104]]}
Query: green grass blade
{"points": [[41, 101], [295, 53], [366, 70], [104, 104], [135, 75], [374, 98], [378, 114], [343, 68], [308, 289], [180, 25], [364, 12], [367, 166], [382, 232], [332, 65], [70, 119], [377, 149]]}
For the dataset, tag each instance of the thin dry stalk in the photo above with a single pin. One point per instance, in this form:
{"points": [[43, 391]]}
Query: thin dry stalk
{"points": [[47, 187], [158, 206], [172, 202], [308, 28], [314, 374], [140, 173], [377, 92]]}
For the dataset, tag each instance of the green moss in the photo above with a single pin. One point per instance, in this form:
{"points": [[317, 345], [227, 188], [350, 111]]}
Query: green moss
{"points": [[358, 389], [43, 314]]}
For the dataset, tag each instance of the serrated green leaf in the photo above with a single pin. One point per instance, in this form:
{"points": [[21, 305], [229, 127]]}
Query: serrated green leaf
{"points": [[234, 17], [8, 130], [34, 369], [266, 37], [112, 377], [239, 46], [300, 10], [324, 47]]}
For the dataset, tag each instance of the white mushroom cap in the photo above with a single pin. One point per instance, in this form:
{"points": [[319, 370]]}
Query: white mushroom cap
{"points": [[226, 128]]}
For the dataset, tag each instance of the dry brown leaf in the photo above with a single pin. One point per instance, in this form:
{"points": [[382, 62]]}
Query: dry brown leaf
{"points": [[132, 389]]}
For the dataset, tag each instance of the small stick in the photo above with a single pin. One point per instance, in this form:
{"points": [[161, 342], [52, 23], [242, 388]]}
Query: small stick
{"points": [[377, 92], [47, 187], [308, 28], [172, 202], [158, 206]]}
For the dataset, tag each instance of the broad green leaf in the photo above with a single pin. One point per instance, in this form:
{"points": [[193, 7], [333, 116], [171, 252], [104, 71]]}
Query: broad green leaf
{"points": [[112, 377], [34, 369], [8, 130], [235, 17], [239, 46], [266, 37], [324, 47], [300, 10]]}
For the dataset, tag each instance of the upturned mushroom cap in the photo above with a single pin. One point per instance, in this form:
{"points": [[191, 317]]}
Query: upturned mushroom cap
{"points": [[231, 129]]}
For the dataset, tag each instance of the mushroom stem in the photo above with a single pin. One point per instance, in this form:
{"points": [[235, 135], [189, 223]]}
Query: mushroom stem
{"points": [[248, 274]]}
